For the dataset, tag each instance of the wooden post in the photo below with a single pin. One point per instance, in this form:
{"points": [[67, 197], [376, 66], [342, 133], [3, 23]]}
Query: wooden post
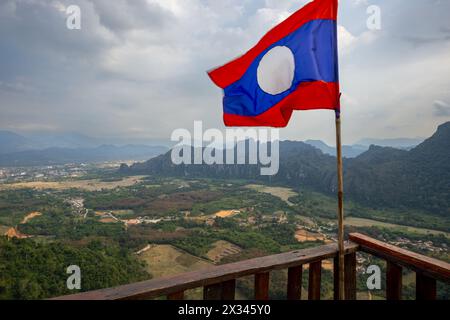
{"points": [[350, 276], [262, 286], [340, 207], [229, 290], [393, 281], [315, 275], [212, 292], [294, 284], [425, 287]]}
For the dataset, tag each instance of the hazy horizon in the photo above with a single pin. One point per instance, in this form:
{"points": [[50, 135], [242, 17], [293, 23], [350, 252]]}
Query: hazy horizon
{"points": [[121, 141]]}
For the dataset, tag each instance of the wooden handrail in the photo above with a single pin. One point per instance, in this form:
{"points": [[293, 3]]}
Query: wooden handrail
{"points": [[214, 278], [431, 267], [219, 282]]}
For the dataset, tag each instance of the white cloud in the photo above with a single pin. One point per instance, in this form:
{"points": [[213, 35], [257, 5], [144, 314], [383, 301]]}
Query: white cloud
{"points": [[348, 42]]}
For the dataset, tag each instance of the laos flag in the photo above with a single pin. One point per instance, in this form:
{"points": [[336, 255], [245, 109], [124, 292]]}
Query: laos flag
{"points": [[293, 67]]}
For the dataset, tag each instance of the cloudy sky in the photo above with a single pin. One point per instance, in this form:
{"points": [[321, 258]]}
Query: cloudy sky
{"points": [[136, 69]]}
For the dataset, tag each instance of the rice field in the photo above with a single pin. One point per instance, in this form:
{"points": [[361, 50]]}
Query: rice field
{"points": [[87, 185], [280, 192], [166, 260], [362, 222]]}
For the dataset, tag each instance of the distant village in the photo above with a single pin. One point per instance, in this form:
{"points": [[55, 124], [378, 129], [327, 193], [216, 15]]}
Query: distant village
{"points": [[51, 172], [14, 174]]}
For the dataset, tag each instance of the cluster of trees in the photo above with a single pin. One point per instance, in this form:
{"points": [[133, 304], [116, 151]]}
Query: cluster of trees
{"points": [[62, 224], [270, 239], [200, 240], [15, 204], [33, 270], [137, 197], [240, 197], [284, 234]]}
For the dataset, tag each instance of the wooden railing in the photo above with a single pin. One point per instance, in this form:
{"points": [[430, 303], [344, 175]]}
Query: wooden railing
{"points": [[428, 270], [219, 282]]}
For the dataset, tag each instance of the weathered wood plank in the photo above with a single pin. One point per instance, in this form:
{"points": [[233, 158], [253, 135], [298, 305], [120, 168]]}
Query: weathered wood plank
{"points": [[167, 285], [294, 283], [262, 286], [229, 290], [350, 276], [315, 277], [393, 281], [176, 296], [425, 287], [212, 292], [434, 268]]}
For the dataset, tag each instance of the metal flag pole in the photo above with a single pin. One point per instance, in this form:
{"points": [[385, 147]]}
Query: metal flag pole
{"points": [[340, 207]]}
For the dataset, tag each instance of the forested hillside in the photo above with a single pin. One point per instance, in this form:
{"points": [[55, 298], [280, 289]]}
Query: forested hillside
{"points": [[33, 270]]}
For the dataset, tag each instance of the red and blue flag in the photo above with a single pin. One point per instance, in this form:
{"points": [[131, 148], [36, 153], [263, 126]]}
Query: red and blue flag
{"points": [[293, 67]]}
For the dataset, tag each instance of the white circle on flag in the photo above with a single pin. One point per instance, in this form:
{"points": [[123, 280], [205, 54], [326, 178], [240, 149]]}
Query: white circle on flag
{"points": [[276, 70]]}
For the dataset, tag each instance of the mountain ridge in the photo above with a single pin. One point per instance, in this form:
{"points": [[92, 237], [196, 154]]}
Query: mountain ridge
{"points": [[380, 177], [57, 155]]}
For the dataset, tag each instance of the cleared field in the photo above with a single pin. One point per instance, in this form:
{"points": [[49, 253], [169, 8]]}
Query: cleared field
{"points": [[221, 250], [362, 222], [219, 214], [31, 216], [226, 213], [88, 185], [166, 260], [14, 233], [108, 220], [115, 212], [280, 192], [303, 235]]}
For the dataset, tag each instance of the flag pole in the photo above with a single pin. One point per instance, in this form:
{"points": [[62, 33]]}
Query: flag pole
{"points": [[340, 207]]}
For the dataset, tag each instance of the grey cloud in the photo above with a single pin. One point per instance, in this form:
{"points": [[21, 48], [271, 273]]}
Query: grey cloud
{"points": [[124, 15], [137, 68], [418, 40]]}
